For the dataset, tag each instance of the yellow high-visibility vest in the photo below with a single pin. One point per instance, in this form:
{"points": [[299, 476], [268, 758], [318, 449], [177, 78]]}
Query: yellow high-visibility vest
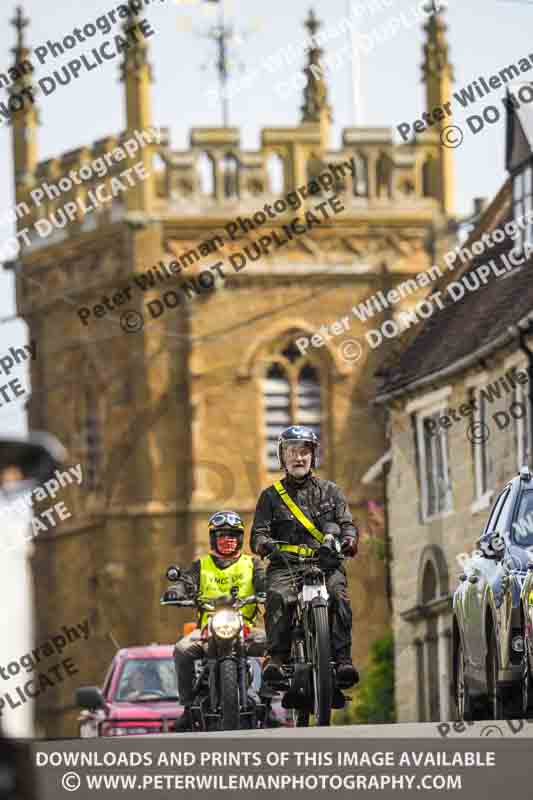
{"points": [[215, 582]]}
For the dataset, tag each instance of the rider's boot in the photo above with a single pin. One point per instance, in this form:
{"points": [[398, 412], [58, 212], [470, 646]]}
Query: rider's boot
{"points": [[347, 674], [184, 723], [273, 669]]}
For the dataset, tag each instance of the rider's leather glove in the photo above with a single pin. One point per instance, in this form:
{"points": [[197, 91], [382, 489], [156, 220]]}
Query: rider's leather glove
{"points": [[349, 546], [265, 546]]}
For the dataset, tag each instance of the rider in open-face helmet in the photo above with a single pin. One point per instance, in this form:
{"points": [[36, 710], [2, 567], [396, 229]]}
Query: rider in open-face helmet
{"points": [[323, 505]]}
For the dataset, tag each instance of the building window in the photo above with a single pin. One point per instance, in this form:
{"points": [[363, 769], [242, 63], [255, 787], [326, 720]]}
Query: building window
{"points": [[523, 202], [291, 396], [523, 428], [92, 441], [277, 403], [434, 464]]}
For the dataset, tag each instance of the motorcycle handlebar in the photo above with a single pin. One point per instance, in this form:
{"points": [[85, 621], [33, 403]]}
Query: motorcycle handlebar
{"points": [[322, 550]]}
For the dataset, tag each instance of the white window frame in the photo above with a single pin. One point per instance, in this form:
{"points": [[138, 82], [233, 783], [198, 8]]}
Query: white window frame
{"points": [[423, 412], [480, 451]]}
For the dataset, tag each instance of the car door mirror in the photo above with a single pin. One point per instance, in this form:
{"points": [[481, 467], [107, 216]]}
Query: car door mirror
{"points": [[492, 545], [89, 697], [497, 542]]}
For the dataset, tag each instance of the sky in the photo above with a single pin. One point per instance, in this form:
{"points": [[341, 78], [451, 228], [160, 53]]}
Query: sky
{"points": [[484, 37]]}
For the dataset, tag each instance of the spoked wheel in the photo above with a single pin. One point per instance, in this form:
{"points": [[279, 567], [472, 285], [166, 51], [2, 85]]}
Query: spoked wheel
{"points": [[322, 678], [496, 705]]}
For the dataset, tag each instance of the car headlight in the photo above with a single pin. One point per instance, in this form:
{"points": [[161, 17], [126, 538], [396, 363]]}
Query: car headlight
{"points": [[226, 624]]}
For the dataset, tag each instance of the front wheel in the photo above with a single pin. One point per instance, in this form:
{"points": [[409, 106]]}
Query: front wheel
{"points": [[322, 683], [496, 700], [229, 695], [465, 710]]}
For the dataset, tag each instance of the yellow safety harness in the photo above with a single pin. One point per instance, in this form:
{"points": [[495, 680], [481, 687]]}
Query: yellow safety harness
{"points": [[300, 516]]}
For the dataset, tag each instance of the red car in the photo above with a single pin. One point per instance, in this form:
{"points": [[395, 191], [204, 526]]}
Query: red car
{"points": [[140, 695]]}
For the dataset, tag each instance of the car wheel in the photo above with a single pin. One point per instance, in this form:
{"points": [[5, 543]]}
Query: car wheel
{"points": [[465, 708], [527, 685], [496, 704]]}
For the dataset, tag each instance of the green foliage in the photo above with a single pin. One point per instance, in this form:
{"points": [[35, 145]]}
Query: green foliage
{"points": [[374, 697]]}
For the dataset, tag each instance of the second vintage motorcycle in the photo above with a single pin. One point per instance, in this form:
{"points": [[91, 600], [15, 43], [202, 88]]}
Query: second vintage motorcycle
{"points": [[222, 696]]}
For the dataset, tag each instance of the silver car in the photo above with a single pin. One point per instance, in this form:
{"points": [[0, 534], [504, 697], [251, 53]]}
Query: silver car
{"points": [[490, 636]]}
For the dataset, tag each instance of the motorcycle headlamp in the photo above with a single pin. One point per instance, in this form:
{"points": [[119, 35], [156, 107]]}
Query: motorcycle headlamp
{"points": [[226, 624]]}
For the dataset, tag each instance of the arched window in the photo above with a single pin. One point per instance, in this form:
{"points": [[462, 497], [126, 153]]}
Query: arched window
{"points": [[360, 176], [291, 396], [309, 398], [276, 398], [276, 173], [206, 170], [230, 166]]}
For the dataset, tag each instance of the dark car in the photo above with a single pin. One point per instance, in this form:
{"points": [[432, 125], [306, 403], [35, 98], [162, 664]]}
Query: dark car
{"points": [[139, 695], [490, 611]]}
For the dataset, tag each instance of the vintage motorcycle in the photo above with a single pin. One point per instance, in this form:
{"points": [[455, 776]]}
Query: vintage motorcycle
{"points": [[223, 699], [310, 685]]}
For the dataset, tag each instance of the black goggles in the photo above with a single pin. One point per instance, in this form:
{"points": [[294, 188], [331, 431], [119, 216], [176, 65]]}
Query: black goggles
{"points": [[226, 520]]}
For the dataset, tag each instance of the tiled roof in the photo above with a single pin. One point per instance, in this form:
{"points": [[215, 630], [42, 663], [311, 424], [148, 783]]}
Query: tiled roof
{"points": [[463, 327]]}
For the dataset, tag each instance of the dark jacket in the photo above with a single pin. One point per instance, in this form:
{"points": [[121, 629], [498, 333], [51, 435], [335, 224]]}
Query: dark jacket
{"points": [[320, 500]]}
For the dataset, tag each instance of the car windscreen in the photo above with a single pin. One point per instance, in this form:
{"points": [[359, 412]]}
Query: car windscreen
{"points": [[523, 525], [147, 679]]}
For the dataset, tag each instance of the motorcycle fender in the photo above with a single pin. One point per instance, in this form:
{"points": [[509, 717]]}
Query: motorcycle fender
{"points": [[309, 593]]}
